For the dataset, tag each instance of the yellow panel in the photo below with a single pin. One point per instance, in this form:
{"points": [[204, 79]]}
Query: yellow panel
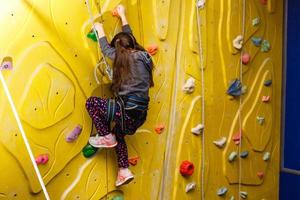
{"points": [[54, 64]]}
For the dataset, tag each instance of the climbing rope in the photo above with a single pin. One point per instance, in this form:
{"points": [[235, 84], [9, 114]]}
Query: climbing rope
{"points": [[108, 69], [17, 118], [240, 100], [200, 5]]}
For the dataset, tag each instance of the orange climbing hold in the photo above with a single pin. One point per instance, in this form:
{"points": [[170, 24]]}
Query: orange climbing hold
{"points": [[42, 159], [237, 137], [264, 2], [186, 168], [265, 99], [133, 160], [115, 13], [159, 128], [152, 49]]}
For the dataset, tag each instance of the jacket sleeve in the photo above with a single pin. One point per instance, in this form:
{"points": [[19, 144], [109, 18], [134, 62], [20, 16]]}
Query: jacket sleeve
{"points": [[126, 28], [106, 49]]}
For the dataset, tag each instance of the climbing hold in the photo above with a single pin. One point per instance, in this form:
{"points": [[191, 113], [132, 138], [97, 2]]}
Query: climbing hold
{"points": [[238, 42], [245, 58], [265, 99], [243, 194], [231, 198], [260, 175], [159, 128], [200, 3], [186, 168], [115, 13], [244, 154], [189, 86], [260, 120], [152, 49], [268, 83], [264, 2], [222, 191], [256, 41], [265, 46], [189, 187], [237, 137], [221, 142], [255, 21], [133, 160], [42, 159], [119, 197], [266, 156], [197, 130], [89, 151], [6, 64], [244, 89], [235, 88], [92, 36], [232, 156], [74, 134]]}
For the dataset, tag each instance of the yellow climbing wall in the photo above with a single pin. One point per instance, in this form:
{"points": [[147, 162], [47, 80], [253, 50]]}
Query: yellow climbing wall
{"points": [[53, 75]]}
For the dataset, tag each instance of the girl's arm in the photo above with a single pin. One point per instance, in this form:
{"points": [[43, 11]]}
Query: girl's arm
{"points": [[121, 12]]}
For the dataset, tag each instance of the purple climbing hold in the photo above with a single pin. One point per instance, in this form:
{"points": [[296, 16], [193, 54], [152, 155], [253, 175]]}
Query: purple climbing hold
{"points": [[235, 88], [74, 134], [6, 64]]}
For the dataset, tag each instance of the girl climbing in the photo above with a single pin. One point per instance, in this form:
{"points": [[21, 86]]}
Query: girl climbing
{"points": [[132, 78]]}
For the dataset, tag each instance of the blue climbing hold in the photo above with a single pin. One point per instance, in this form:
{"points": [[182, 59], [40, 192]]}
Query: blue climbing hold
{"points": [[222, 191], [244, 154], [256, 41], [268, 83], [235, 88]]}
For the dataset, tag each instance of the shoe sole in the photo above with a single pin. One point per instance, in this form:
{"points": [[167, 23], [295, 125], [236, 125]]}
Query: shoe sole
{"points": [[127, 180], [103, 146]]}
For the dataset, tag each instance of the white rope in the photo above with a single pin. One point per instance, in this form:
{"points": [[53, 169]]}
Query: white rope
{"points": [[199, 5], [240, 100], [24, 136], [108, 70]]}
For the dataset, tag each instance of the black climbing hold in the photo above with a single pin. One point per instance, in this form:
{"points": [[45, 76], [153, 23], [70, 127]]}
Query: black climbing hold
{"points": [[235, 88], [268, 83]]}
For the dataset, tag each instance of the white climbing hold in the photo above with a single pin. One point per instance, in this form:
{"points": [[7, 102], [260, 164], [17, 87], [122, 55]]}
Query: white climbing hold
{"points": [[260, 120], [244, 89], [255, 21], [238, 42], [231, 198], [267, 156], [189, 86], [221, 142], [243, 194], [222, 191], [197, 130], [200, 3], [189, 187], [232, 156]]}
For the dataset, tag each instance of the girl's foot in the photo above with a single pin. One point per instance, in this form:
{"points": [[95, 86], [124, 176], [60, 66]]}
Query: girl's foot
{"points": [[107, 141], [124, 177]]}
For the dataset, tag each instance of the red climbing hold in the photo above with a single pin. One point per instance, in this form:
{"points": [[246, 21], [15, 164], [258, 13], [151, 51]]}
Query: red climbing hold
{"points": [[152, 49], [159, 128], [265, 99], [115, 13], [260, 175], [245, 58], [237, 137], [264, 2], [186, 168], [133, 160], [42, 159]]}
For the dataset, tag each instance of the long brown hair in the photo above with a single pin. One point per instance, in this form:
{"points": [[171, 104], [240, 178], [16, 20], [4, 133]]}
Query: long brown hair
{"points": [[124, 43]]}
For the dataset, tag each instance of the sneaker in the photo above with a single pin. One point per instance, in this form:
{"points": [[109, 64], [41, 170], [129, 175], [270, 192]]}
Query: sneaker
{"points": [[107, 141], [124, 177]]}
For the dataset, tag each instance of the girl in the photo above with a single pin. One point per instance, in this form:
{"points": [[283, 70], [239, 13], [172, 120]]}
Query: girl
{"points": [[132, 78]]}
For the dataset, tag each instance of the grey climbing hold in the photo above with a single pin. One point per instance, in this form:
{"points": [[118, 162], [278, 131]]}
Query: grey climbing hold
{"points": [[256, 41], [197, 130], [244, 154], [189, 187], [232, 156], [189, 86], [243, 194], [222, 191], [260, 120], [255, 21], [221, 142], [265, 46], [238, 42], [235, 88], [200, 3], [266, 156], [268, 83]]}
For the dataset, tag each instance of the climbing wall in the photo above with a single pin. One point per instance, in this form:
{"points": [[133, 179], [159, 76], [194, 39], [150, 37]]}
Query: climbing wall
{"points": [[53, 73]]}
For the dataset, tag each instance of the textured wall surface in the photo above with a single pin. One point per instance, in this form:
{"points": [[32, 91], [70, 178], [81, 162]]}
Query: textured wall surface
{"points": [[53, 74]]}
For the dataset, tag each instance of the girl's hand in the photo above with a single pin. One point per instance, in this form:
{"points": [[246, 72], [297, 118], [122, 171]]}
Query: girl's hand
{"points": [[121, 10], [98, 26]]}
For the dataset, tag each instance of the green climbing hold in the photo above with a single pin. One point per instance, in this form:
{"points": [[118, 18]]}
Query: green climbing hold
{"points": [[231, 198], [92, 35], [119, 197], [232, 156], [265, 46], [89, 151], [268, 83], [266, 156]]}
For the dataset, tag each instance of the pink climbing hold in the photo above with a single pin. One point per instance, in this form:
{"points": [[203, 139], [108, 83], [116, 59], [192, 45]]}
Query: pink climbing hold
{"points": [[152, 49], [265, 99], [264, 2], [245, 58], [42, 159], [237, 137], [260, 175], [74, 134], [6, 64]]}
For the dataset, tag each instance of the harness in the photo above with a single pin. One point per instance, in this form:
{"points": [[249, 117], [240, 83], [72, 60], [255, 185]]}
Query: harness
{"points": [[125, 103]]}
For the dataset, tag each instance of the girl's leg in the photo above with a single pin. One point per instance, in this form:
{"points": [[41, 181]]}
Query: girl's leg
{"points": [[121, 151]]}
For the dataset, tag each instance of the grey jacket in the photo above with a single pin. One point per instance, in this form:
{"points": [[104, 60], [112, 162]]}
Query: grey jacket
{"points": [[137, 82]]}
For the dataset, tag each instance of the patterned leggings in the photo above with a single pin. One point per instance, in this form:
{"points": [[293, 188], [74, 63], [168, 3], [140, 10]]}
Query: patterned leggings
{"points": [[97, 109]]}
